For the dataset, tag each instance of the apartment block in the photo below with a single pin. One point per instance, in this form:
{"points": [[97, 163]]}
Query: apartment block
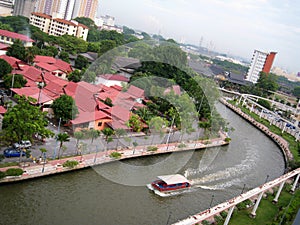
{"points": [[261, 62], [24, 7], [58, 27]]}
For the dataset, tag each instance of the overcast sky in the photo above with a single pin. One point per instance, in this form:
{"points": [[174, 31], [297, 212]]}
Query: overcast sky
{"points": [[230, 26]]}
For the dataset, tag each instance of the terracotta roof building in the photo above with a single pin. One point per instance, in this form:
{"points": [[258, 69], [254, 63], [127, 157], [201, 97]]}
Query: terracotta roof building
{"points": [[8, 37], [58, 26]]}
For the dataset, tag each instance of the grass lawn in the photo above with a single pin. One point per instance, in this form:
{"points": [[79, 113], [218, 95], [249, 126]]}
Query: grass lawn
{"points": [[268, 212]]}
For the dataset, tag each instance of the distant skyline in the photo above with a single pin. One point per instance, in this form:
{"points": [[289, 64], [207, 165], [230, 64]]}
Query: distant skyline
{"points": [[232, 27]]}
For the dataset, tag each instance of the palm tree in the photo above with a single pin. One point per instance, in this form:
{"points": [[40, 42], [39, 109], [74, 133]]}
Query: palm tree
{"points": [[62, 137], [119, 132]]}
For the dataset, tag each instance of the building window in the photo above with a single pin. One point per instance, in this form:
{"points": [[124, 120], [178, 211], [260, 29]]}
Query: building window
{"points": [[100, 124]]}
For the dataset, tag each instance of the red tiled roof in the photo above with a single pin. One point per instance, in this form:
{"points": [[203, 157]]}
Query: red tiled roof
{"points": [[2, 109], [47, 67], [117, 87], [85, 117], [65, 21], [115, 77], [44, 59], [70, 89], [64, 66], [34, 92], [120, 112], [3, 46], [135, 91], [82, 25], [13, 35], [84, 96], [14, 62], [42, 15], [54, 88]]}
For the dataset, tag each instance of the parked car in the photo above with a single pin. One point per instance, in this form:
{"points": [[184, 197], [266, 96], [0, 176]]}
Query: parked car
{"points": [[23, 144], [12, 152]]}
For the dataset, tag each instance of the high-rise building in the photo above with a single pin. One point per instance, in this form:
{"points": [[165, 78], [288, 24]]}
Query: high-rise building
{"points": [[85, 8], [261, 62], [24, 7], [68, 9]]}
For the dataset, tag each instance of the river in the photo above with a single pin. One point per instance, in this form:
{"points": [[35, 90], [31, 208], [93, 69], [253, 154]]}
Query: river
{"points": [[102, 195]]}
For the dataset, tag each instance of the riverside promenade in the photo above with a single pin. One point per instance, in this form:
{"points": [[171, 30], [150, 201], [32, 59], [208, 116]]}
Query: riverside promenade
{"points": [[280, 141], [34, 170]]}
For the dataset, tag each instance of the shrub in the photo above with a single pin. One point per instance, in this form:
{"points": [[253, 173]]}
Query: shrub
{"points": [[224, 214], [152, 148], [181, 145], [14, 172], [218, 219], [70, 164], [244, 204], [227, 139], [2, 175], [115, 155], [205, 222]]}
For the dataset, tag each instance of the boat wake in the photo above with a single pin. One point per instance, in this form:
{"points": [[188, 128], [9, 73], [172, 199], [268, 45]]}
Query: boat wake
{"points": [[224, 178]]}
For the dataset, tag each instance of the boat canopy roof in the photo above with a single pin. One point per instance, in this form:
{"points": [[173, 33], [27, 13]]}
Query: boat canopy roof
{"points": [[173, 179]]}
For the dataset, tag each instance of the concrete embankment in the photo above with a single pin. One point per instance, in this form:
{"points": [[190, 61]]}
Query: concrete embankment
{"points": [[281, 142], [34, 170]]}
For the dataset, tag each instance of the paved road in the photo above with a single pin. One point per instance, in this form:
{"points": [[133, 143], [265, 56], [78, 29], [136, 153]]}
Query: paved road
{"points": [[99, 144]]}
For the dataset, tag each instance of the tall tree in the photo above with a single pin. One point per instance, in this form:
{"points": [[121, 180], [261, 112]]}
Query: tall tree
{"points": [[5, 68], [23, 120], [17, 50], [65, 108], [81, 62], [14, 81], [75, 76]]}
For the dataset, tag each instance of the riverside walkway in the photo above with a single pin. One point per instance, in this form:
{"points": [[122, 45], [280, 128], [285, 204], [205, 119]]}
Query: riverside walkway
{"points": [[35, 170]]}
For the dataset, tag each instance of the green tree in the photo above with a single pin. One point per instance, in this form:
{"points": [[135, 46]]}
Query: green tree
{"points": [[106, 45], [107, 132], [5, 68], [94, 134], [23, 120], [5, 27], [17, 50], [135, 123], [267, 82], [18, 81], [65, 108], [156, 125], [81, 62], [127, 30], [89, 76], [296, 92], [75, 76], [62, 137], [64, 56], [87, 22], [108, 102]]}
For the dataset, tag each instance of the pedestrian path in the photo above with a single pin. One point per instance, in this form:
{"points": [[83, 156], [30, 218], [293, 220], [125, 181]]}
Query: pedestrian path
{"points": [[56, 166]]}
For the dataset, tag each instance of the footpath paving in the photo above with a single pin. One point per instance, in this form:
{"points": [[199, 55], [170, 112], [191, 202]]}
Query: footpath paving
{"points": [[34, 170]]}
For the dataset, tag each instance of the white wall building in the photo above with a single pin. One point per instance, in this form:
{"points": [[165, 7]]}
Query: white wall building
{"points": [[57, 26], [257, 65]]}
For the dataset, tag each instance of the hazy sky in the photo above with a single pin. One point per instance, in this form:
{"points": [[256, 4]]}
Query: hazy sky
{"points": [[231, 26]]}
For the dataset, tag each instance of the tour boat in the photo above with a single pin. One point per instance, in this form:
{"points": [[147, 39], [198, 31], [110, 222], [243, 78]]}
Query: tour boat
{"points": [[169, 183]]}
